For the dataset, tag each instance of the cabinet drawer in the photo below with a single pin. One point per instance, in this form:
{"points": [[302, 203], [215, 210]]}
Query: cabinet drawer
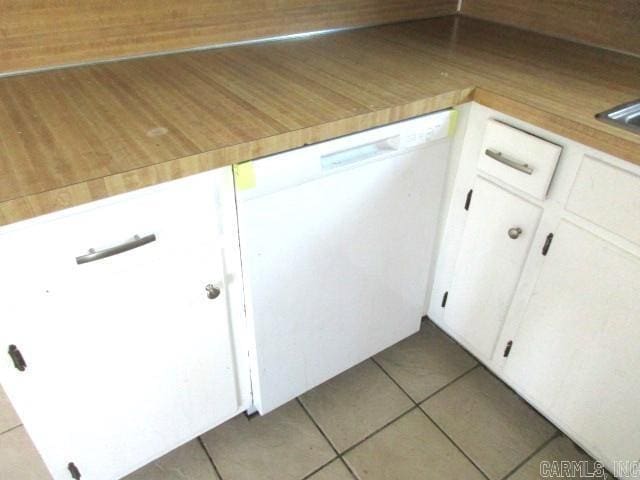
{"points": [[518, 158], [607, 196]]}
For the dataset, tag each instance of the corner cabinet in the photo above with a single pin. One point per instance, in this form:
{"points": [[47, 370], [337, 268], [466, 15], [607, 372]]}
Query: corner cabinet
{"points": [[120, 325], [575, 354], [556, 316]]}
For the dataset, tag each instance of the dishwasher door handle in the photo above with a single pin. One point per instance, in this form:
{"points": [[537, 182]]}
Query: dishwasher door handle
{"points": [[521, 167], [359, 153], [134, 242]]}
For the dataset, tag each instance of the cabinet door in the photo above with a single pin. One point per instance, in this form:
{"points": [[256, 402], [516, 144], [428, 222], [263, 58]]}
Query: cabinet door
{"points": [[575, 355], [488, 266], [126, 357]]}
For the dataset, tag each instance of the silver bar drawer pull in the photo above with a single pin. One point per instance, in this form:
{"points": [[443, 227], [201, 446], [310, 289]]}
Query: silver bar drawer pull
{"points": [[135, 242], [521, 167]]}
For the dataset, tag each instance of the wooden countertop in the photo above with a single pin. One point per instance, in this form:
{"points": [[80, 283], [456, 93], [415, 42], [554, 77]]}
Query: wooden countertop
{"points": [[74, 135]]}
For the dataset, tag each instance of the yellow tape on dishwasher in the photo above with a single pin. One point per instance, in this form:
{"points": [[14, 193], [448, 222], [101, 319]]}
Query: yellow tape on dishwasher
{"points": [[453, 123], [244, 176]]}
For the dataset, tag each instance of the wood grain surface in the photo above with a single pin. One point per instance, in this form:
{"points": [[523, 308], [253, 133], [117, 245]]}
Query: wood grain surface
{"points": [[75, 135], [607, 23], [40, 33]]}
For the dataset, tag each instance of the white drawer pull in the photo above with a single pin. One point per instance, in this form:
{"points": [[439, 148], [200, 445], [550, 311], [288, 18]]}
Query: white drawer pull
{"points": [[521, 167], [135, 242]]}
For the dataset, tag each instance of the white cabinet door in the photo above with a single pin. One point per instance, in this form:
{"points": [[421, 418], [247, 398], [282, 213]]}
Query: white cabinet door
{"points": [[126, 357], [576, 355], [488, 266]]}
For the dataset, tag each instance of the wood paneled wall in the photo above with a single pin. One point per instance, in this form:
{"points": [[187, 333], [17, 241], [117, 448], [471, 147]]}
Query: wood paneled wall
{"points": [[607, 23], [42, 33]]}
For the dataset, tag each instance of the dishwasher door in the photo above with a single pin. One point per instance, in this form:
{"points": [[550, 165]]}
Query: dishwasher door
{"points": [[336, 267]]}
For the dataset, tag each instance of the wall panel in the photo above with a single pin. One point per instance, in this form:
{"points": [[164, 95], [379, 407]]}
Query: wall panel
{"points": [[608, 23], [41, 33]]}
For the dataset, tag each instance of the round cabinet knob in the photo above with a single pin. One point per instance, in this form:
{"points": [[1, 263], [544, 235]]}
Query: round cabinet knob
{"points": [[212, 292], [515, 232]]}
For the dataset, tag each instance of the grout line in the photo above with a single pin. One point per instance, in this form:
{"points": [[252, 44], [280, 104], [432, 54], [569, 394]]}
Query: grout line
{"points": [[455, 444], [348, 467], [11, 429], [417, 406], [313, 472], [530, 456], [313, 420], [333, 447], [418, 402], [213, 464], [464, 374], [394, 381], [360, 442], [341, 455]]}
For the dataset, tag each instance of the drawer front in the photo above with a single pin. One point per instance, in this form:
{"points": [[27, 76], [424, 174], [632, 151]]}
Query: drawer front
{"points": [[607, 196], [518, 158]]}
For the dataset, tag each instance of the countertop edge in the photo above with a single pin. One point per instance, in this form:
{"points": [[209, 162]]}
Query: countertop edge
{"points": [[42, 203], [30, 206]]}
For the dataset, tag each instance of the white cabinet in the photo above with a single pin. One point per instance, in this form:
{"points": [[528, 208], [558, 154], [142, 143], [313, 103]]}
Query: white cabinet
{"points": [[571, 311], [495, 242], [575, 354], [126, 357]]}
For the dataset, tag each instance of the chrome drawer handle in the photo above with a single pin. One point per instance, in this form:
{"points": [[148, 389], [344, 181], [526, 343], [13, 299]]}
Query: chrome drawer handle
{"points": [[521, 167], [135, 242]]}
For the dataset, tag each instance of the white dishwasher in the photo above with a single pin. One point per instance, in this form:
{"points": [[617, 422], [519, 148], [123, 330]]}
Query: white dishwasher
{"points": [[336, 241]]}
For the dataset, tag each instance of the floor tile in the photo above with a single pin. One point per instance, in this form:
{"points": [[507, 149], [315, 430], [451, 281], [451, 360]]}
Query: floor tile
{"points": [[410, 448], [284, 444], [19, 459], [491, 424], [188, 462], [334, 471], [8, 416], [355, 404], [425, 362], [557, 450]]}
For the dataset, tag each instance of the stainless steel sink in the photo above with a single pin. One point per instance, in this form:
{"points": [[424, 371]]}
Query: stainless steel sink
{"points": [[625, 116]]}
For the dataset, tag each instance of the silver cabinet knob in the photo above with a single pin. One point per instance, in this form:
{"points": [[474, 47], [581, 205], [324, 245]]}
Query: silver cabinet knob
{"points": [[514, 232], [212, 292]]}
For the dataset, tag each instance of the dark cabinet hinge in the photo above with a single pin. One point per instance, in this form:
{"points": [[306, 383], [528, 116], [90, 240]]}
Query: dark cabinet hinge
{"points": [[468, 201], [547, 244], [444, 299], [73, 470], [251, 415], [507, 349], [18, 359]]}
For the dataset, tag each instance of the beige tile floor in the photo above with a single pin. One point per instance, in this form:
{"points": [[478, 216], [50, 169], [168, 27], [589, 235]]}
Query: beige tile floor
{"points": [[422, 409]]}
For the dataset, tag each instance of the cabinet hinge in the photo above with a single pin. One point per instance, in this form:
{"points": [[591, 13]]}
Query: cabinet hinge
{"points": [[73, 470], [18, 359], [468, 201], [251, 413], [444, 299], [547, 244], [507, 349]]}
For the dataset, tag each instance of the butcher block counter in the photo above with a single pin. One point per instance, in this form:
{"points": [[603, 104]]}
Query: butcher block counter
{"points": [[74, 135]]}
